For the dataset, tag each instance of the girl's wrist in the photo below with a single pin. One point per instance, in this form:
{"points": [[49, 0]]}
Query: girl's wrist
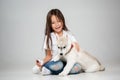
{"points": [[41, 62]]}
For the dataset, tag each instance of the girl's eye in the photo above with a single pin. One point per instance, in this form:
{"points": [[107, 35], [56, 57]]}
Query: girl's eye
{"points": [[53, 23], [59, 21]]}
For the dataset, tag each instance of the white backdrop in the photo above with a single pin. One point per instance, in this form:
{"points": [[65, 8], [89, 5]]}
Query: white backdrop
{"points": [[95, 24]]}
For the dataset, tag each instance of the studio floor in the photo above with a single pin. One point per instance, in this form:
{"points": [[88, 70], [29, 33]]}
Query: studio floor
{"points": [[112, 72]]}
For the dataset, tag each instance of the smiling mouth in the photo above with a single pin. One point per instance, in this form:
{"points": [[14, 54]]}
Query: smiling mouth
{"points": [[58, 27]]}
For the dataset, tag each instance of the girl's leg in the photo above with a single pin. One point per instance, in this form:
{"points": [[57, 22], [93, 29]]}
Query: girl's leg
{"points": [[57, 67], [76, 69], [54, 67]]}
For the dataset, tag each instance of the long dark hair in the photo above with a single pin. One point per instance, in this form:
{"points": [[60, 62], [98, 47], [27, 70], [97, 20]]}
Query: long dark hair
{"points": [[49, 29]]}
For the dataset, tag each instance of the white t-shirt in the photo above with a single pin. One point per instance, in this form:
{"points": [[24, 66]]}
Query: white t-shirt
{"points": [[54, 41]]}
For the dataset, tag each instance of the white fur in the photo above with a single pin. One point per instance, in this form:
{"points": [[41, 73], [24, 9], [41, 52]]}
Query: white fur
{"points": [[87, 61]]}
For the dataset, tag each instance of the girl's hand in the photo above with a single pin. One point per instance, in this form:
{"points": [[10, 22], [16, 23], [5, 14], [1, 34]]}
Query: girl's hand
{"points": [[38, 63]]}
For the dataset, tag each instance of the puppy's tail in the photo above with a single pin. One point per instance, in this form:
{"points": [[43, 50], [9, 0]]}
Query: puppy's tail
{"points": [[102, 68]]}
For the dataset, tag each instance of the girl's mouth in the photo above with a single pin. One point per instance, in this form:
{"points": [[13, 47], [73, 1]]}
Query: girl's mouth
{"points": [[58, 27]]}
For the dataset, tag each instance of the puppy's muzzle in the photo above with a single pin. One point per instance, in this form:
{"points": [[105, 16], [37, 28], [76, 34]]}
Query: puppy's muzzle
{"points": [[61, 54]]}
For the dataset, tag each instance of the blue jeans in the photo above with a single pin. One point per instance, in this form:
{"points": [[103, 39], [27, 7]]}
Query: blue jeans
{"points": [[57, 67]]}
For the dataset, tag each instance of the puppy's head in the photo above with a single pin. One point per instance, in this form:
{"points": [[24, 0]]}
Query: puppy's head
{"points": [[62, 44]]}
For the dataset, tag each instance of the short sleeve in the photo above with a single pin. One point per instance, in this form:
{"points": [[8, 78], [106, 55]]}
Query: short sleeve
{"points": [[72, 37], [45, 43]]}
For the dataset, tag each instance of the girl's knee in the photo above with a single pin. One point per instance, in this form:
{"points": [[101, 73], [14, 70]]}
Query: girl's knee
{"points": [[76, 68], [56, 66]]}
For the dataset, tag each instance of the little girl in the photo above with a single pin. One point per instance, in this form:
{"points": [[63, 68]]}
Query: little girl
{"points": [[55, 25]]}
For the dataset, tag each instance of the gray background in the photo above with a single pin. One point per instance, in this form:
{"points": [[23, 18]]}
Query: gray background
{"points": [[95, 24]]}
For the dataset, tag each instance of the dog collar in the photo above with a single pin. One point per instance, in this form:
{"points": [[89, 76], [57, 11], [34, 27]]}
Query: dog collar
{"points": [[69, 49]]}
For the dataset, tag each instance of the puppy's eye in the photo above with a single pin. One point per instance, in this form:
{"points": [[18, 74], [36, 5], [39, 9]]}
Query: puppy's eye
{"points": [[64, 47], [58, 47]]}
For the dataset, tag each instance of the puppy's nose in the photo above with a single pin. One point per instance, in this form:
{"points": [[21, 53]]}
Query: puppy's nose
{"points": [[61, 54]]}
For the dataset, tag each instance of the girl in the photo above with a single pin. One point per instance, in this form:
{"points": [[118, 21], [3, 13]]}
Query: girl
{"points": [[55, 25]]}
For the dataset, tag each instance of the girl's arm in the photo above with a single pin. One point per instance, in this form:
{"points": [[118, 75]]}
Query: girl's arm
{"points": [[46, 59], [77, 46], [48, 56], [75, 43]]}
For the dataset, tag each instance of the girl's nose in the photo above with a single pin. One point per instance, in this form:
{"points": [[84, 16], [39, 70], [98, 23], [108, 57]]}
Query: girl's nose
{"points": [[57, 24]]}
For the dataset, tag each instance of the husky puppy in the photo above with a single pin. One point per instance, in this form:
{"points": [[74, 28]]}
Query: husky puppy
{"points": [[67, 52]]}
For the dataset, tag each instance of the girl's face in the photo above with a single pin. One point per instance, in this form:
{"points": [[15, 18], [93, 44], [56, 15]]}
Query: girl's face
{"points": [[57, 25]]}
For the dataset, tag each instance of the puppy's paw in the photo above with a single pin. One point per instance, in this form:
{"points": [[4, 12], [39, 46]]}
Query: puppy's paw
{"points": [[54, 60], [63, 74]]}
